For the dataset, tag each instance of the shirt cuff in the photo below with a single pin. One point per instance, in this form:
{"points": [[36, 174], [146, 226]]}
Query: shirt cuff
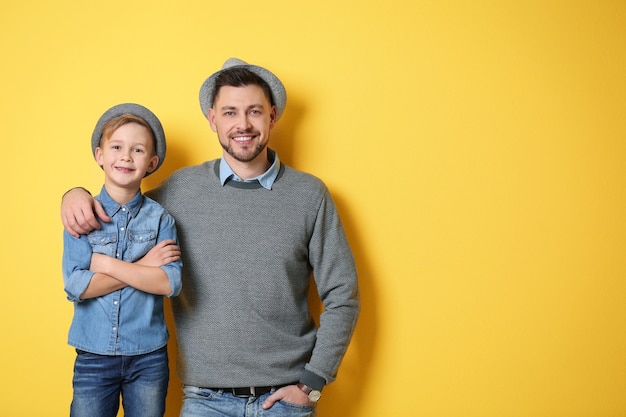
{"points": [[313, 380]]}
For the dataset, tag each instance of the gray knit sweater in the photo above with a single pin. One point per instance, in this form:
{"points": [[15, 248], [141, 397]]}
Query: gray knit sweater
{"points": [[242, 318]]}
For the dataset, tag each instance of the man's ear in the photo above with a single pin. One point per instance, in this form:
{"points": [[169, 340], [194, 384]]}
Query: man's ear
{"points": [[211, 117], [273, 116]]}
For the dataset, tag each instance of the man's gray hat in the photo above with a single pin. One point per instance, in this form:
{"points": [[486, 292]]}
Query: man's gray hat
{"points": [[279, 95], [139, 111]]}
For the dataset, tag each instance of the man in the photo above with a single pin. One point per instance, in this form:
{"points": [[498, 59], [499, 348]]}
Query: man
{"points": [[253, 230]]}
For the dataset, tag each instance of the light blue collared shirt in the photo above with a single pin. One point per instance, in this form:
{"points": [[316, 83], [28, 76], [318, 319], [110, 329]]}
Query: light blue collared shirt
{"points": [[266, 179], [126, 321]]}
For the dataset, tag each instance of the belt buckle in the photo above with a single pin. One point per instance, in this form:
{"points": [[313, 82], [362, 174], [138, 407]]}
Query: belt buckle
{"points": [[246, 392]]}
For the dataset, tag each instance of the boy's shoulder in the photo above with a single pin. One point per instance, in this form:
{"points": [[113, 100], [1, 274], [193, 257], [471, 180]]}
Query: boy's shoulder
{"points": [[152, 205]]}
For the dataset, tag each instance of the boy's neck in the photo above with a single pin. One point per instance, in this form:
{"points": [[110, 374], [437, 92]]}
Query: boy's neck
{"points": [[121, 195]]}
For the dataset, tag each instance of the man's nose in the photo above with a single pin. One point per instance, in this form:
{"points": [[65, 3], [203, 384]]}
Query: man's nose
{"points": [[243, 122]]}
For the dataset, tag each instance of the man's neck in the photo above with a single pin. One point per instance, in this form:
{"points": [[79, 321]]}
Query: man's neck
{"points": [[251, 169]]}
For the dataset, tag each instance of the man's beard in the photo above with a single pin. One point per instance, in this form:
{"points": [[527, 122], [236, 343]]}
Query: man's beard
{"points": [[247, 156]]}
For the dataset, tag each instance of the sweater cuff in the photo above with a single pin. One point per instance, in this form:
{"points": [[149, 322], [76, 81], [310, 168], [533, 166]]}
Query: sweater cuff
{"points": [[82, 188], [313, 380]]}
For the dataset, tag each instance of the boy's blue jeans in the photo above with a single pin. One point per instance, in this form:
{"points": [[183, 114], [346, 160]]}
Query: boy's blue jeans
{"points": [[99, 380]]}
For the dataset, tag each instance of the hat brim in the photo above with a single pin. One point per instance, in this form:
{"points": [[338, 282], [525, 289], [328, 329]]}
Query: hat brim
{"points": [[139, 111]]}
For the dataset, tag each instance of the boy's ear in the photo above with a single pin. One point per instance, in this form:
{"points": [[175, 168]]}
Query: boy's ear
{"points": [[154, 162], [98, 156]]}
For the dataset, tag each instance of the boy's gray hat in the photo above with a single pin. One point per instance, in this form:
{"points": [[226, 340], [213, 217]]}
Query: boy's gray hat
{"points": [[279, 95], [139, 111]]}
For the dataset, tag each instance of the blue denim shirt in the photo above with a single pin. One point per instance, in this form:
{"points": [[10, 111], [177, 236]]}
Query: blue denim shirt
{"points": [[126, 321]]}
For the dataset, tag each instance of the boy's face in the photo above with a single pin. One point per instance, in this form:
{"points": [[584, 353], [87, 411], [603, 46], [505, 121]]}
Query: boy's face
{"points": [[127, 156], [242, 117]]}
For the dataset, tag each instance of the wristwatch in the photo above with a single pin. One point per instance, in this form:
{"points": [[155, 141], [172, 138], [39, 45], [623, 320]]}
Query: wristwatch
{"points": [[314, 395]]}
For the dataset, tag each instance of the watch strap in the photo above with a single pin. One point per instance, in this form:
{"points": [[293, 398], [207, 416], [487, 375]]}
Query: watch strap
{"points": [[314, 395]]}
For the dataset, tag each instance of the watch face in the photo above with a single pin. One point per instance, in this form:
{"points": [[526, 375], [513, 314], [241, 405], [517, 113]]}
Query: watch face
{"points": [[314, 395]]}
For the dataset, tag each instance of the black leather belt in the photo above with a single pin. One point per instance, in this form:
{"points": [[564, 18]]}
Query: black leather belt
{"points": [[247, 392]]}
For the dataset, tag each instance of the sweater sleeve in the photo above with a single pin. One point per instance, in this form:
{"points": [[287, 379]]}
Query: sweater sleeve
{"points": [[335, 276]]}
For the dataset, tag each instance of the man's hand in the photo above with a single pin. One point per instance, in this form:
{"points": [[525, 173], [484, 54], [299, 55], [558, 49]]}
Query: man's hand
{"points": [[77, 212], [291, 394], [161, 254]]}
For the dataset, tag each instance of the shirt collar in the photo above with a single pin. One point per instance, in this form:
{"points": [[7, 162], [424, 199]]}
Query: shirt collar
{"points": [[112, 207], [266, 179]]}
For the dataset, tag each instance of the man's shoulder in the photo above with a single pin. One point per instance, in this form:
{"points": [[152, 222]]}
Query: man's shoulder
{"points": [[193, 170], [183, 182], [305, 179]]}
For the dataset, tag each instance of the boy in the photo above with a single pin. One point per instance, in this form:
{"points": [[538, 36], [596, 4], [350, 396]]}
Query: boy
{"points": [[117, 276]]}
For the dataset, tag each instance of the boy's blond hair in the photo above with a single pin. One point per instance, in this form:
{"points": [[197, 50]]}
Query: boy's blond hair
{"points": [[115, 123]]}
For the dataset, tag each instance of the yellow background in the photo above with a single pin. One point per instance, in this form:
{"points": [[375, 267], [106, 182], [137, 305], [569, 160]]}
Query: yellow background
{"points": [[475, 150]]}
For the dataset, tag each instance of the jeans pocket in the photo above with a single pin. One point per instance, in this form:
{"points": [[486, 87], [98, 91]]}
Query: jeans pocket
{"points": [[286, 409], [191, 392]]}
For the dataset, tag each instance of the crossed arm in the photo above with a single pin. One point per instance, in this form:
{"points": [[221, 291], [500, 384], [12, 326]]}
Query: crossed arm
{"points": [[146, 275]]}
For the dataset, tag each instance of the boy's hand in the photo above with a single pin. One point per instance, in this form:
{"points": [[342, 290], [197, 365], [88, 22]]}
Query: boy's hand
{"points": [[161, 254], [77, 212]]}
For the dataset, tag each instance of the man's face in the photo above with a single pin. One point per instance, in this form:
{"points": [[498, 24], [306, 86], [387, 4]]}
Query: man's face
{"points": [[242, 117]]}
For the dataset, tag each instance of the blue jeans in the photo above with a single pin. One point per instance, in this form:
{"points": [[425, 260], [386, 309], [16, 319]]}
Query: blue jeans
{"points": [[204, 402], [99, 380]]}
